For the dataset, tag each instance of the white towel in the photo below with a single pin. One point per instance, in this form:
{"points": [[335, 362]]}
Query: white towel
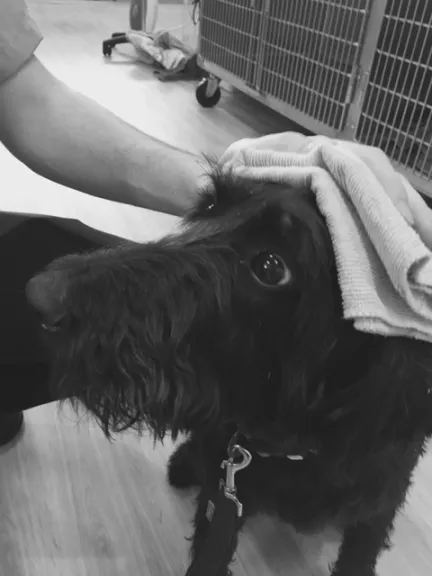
{"points": [[381, 228]]}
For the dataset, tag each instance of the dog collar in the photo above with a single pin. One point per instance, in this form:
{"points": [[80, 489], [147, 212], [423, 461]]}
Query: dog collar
{"points": [[248, 443], [289, 456]]}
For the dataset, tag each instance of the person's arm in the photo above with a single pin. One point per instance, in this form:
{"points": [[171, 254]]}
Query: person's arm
{"points": [[66, 137]]}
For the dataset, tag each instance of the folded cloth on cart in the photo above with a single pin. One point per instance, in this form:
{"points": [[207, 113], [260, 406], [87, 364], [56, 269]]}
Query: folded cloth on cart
{"points": [[380, 227], [168, 54]]}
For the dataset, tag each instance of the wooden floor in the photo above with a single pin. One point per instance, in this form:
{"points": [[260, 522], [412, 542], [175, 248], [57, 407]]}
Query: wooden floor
{"points": [[71, 504]]}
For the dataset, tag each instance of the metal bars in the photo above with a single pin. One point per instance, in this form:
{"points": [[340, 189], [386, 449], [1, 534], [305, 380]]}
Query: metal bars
{"points": [[357, 69], [229, 35], [310, 54], [397, 109]]}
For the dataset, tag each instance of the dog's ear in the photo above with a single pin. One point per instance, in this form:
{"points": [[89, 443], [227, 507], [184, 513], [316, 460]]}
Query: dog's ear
{"points": [[317, 315], [302, 361]]}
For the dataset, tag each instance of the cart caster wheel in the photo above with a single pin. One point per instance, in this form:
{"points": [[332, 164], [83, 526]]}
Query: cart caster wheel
{"points": [[208, 92], [106, 48]]}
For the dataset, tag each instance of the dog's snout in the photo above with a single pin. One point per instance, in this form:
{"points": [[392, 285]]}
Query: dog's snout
{"points": [[44, 291]]}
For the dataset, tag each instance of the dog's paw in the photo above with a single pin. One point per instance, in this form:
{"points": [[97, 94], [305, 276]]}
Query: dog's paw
{"points": [[181, 472]]}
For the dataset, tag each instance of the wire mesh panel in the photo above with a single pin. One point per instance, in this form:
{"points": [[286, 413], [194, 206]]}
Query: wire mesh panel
{"points": [[229, 35], [311, 50], [397, 107]]}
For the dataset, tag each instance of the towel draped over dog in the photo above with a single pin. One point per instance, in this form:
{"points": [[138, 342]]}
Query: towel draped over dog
{"points": [[380, 227]]}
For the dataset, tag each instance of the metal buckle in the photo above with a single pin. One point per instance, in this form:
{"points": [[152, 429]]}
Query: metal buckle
{"points": [[232, 465]]}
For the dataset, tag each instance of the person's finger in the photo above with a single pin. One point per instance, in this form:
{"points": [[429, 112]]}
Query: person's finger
{"points": [[386, 175], [422, 215]]}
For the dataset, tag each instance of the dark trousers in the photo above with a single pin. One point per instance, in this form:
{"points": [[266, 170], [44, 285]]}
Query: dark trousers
{"points": [[24, 366]]}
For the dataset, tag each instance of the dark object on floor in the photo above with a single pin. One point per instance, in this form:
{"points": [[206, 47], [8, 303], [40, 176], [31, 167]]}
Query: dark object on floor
{"points": [[235, 326], [24, 366], [10, 427]]}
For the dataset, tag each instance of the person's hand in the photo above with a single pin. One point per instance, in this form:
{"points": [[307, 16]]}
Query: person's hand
{"points": [[407, 200], [420, 213], [281, 142], [384, 172]]}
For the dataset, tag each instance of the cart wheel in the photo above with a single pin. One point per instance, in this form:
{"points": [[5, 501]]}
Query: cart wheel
{"points": [[106, 49], [208, 92]]}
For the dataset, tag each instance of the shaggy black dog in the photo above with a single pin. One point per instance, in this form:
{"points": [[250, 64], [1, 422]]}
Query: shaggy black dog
{"points": [[235, 324]]}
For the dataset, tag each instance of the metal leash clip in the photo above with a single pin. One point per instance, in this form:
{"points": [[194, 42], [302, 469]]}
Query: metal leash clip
{"points": [[232, 466]]}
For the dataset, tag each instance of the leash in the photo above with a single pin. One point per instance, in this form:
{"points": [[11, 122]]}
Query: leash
{"points": [[225, 512], [224, 515]]}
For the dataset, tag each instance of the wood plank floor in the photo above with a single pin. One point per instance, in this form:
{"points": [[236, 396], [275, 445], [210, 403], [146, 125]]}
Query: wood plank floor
{"points": [[72, 504]]}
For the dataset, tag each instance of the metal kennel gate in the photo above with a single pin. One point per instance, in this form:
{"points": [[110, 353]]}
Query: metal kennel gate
{"points": [[353, 69]]}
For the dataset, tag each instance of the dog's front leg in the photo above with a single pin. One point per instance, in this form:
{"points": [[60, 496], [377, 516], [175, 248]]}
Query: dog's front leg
{"points": [[202, 527], [362, 545]]}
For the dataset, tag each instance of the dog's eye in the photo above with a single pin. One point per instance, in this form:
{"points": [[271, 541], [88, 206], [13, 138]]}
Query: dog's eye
{"points": [[270, 270], [53, 324], [53, 327]]}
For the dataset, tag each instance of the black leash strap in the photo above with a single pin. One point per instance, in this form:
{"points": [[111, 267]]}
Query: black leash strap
{"points": [[216, 553], [224, 515]]}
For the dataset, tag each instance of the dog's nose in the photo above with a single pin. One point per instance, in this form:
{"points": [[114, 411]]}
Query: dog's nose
{"points": [[44, 291]]}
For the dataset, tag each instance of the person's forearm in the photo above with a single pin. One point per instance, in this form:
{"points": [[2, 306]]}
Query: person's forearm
{"points": [[68, 138]]}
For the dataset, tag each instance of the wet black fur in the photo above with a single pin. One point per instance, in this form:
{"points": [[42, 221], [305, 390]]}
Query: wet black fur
{"points": [[178, 336]]}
